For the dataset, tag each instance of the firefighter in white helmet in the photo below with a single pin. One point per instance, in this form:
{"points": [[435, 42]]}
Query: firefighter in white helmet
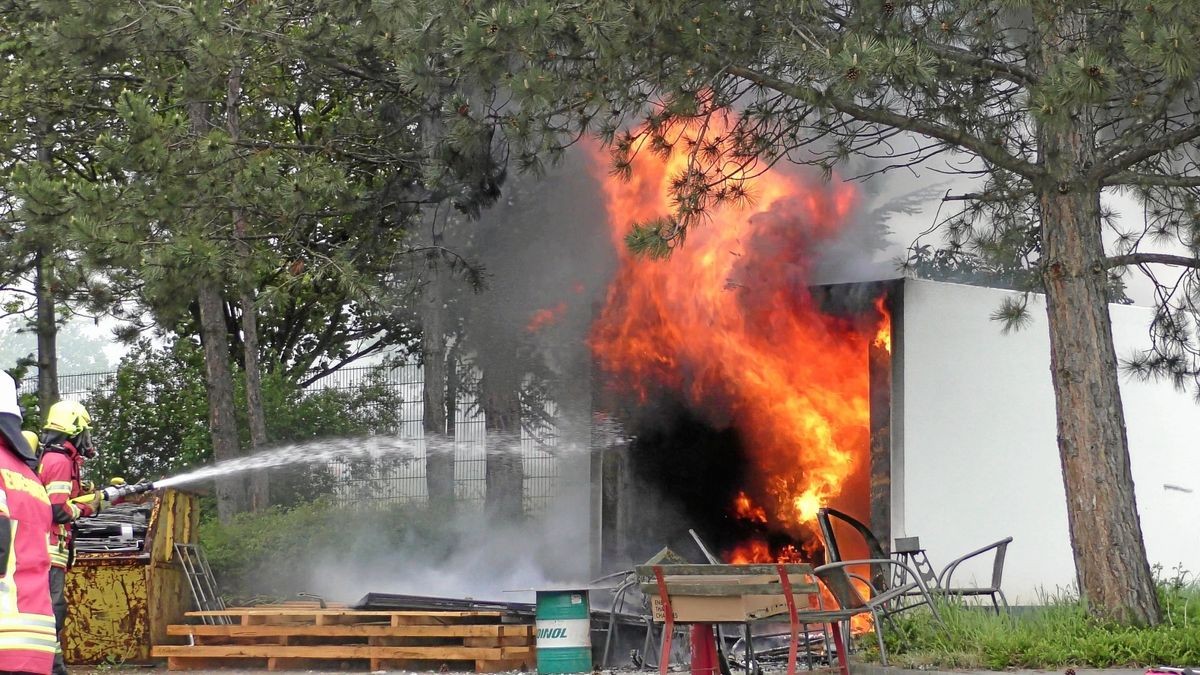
{"points": [[27, 635]]}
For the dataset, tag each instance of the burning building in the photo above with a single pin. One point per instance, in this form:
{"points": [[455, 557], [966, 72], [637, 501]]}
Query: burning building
{"points": [[736, 395]]}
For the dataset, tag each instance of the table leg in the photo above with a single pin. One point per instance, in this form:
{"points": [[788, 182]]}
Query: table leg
{"points": [[839, 643], [704, 650], [749, 651], [664, 658], [793, 620]]}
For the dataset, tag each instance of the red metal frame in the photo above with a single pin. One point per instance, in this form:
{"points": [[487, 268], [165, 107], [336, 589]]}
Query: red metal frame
{"points": [[668, 621], [840, 644], [793, 620]]}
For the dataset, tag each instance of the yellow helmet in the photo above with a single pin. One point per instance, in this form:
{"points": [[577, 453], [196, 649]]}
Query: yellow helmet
{"points": [[69, 417], [32, 439]]}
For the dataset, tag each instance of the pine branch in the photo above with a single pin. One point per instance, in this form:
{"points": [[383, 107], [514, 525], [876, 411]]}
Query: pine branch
{"points": [[992, 153], [315, 375], [1151, 258], [1144, 152], [1004, 71], [1151, 179], [986, 196]]}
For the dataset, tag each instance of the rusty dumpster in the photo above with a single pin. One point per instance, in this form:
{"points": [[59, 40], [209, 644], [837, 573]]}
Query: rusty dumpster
{"points": [[120, 602]]}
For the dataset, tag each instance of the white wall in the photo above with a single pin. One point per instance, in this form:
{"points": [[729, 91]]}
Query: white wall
{"points": [[976, 460]]}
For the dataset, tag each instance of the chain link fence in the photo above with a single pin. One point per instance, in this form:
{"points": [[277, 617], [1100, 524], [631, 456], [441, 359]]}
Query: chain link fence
{"points": [[401, 481]]}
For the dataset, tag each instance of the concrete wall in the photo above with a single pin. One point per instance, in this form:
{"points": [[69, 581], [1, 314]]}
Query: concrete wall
{"points": [[974, 450]]}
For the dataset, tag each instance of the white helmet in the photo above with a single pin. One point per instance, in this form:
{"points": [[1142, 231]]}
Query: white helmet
{"points": [[8, 395], [10, 421]]}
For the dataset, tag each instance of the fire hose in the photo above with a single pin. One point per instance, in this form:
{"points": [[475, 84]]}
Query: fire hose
{"points": [[117, 490], [118, 527]]}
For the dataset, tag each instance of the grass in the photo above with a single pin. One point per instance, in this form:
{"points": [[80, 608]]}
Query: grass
{"points": [[1056, 635]]}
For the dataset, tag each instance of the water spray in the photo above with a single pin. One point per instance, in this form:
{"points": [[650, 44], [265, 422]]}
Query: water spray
{"points": [[392, 449]]}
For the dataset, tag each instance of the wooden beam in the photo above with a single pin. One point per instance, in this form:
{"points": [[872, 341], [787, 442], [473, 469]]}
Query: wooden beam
{"points": [[286, 611], [463, 630], [447, 653], [724, 570], [727, 590]]}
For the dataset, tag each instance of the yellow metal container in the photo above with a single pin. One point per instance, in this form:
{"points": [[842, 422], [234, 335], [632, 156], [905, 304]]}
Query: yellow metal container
{"points": [[119, 604]]}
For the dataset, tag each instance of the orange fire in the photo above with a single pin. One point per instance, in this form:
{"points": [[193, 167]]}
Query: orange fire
{"points": [[753, 551], [745, 509], [545, 317], [883, 336], [729, 322]]}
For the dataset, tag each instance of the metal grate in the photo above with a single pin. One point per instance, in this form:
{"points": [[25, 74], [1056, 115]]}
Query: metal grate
{"points": [[200, 578]]}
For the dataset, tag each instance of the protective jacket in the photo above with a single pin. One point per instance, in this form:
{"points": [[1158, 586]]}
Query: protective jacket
{"points": [[60, 470], [27, 635]]}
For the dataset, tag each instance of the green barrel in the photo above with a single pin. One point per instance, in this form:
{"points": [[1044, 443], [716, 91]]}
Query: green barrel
{"points": [[564, 638]]}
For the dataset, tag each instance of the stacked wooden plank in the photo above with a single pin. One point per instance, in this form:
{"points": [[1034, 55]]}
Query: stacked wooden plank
{"points": [[291, 637]]}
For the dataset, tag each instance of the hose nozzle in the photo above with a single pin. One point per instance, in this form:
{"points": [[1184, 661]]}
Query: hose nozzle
{"points": [[115, 492]]}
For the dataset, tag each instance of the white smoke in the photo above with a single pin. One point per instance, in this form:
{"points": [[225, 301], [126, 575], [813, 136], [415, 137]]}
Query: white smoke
{"points": [[474, 557]]}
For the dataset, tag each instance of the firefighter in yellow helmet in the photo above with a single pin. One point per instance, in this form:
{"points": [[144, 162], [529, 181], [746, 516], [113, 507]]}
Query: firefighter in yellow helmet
{"points": [[35, 446], [66, 443]]}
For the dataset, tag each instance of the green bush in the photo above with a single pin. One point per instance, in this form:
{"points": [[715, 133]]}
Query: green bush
{"points": [[1053, 636], [272, 552]]}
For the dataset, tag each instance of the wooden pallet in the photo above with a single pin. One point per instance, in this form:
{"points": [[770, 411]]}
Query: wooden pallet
{"points": [[279, 638], [249, 616]]}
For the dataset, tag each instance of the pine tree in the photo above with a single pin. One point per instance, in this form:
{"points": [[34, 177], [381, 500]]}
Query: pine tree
{"points": [[253, 178], [50, 104], [1051, 102]]}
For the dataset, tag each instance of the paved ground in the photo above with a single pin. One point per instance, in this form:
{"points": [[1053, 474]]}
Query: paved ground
{"points": [[857, 669]]}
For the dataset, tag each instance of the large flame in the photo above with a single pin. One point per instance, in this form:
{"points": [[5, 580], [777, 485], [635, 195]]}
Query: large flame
{"points": [[729, 322]]}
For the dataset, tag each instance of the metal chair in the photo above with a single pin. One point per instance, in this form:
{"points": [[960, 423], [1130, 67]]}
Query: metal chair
{"points": [[992, 591], [838, 580], [902, 584]]}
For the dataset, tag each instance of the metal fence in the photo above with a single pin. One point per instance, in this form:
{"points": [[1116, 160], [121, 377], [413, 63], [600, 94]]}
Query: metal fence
{"points": [[75, 387], [399, 482]]}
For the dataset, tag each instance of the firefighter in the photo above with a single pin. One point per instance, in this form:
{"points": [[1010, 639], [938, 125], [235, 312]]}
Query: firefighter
{"points": [[27, 629], [66, 443], [35, 445]]}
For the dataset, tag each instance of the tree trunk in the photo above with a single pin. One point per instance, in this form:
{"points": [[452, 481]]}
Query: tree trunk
{"points": [[500, 397], [260, 485], [222, 420], [1106, 536], [439, 450], [46, 323], [46, 326], [260, 481]]}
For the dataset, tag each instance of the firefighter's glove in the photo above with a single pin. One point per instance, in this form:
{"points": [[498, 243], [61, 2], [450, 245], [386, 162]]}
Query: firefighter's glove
{"points": [[87, 486], [89, 505]]}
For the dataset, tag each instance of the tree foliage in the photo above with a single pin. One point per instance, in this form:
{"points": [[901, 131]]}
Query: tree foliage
{"points": [[962, 87], [185, 156]]}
